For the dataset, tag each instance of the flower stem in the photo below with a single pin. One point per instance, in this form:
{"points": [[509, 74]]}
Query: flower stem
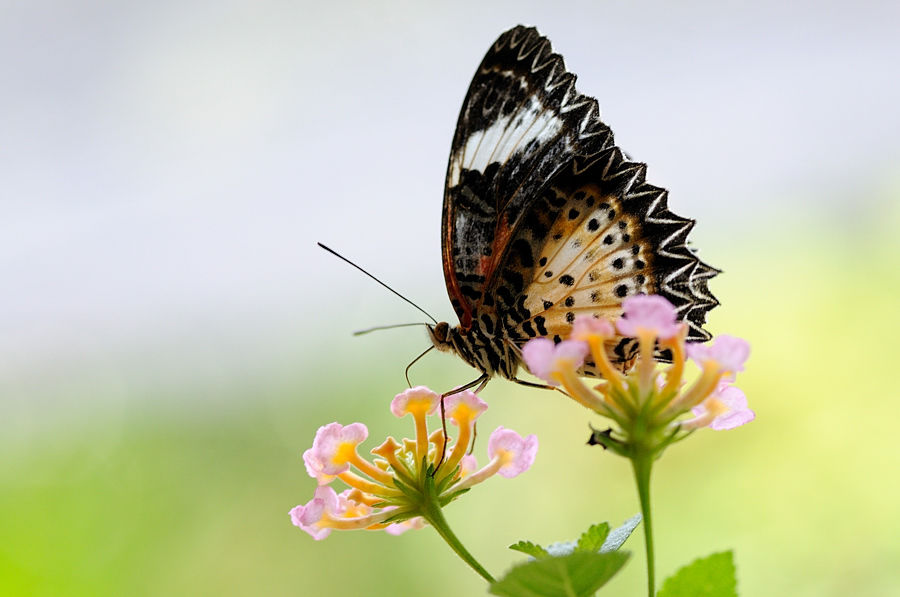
{"points": [[643, 462], [435, 517]]}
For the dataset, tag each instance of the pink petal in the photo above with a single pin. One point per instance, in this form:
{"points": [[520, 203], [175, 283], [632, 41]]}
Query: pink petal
{"points": [[464, 400], [420, 395], [649, 312], [398, 528], [732, 420], [468, 465], [538, 357], [297, 514], [315, 467], [586, 326], [729, 352], [543, 357], [308, 517], [330, 440], [522, 450], [571, 353], [737, 414]]}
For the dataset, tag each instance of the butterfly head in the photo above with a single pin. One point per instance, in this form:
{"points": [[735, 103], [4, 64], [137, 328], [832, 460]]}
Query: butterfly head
{"points": [[440, 336]]}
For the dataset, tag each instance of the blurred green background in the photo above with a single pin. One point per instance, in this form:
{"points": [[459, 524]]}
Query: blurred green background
{"points": [[170, 337]]}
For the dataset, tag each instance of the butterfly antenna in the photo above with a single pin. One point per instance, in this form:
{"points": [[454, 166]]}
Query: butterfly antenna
{"points": [[339, 256], [387, 327], [406, 373]]}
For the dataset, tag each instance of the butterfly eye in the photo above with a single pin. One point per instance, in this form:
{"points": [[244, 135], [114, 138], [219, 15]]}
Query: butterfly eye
{"points": [[442, 331]]}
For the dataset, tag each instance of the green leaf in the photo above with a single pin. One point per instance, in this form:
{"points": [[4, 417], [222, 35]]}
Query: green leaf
{"points": [[447, 498], [597, 538], [618, 536], [561, 548], [410, 492], [580, 574], [704, 577], [593, 538], [532, 549]]}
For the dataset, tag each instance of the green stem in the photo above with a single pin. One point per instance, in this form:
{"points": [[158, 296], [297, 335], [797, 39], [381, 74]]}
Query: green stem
{"points": [[435, 517], [643, 462]]}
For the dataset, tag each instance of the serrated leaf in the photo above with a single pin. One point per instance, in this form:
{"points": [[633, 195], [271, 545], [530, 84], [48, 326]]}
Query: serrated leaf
{"points": [[713, 576], [580, 574], [532, 549], [593, 538], [618, 536], [561, 548]]}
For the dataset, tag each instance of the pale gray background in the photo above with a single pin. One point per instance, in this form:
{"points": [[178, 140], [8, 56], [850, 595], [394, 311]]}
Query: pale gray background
{"points": [[167, 167]]}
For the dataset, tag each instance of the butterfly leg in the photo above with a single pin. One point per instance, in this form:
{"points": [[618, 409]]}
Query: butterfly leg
{"points": [[529, 384], [517, 351], [480, 382]]}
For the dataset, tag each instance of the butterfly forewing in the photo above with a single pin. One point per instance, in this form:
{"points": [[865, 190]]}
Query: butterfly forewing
{"points": [[521, 121], [545, 219]]}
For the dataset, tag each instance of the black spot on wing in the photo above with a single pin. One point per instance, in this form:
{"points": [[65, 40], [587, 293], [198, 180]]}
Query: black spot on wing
{"points": [[521, 248], [515, 279], [529, 329], [540, 321], [488, 323]]}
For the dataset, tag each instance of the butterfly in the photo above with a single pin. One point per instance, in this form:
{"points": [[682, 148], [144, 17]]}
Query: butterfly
{"points": [[545, 219]]}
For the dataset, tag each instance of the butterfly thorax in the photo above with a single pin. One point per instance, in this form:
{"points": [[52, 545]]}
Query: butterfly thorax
{"points": [[490, 354]]}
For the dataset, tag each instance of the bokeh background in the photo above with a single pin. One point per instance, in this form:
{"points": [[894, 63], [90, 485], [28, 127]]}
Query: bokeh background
{"points": [[171, 337]]}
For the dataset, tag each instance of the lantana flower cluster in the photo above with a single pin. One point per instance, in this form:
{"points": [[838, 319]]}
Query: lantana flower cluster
{"points": [[408, 482], [649, 402]]}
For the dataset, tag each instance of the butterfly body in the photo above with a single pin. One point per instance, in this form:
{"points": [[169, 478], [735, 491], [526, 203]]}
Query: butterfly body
{"points": [[545, 219], [485, 347]]}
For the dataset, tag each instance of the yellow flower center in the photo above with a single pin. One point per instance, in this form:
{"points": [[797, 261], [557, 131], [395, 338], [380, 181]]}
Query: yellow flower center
{"points": [[345, 453]]}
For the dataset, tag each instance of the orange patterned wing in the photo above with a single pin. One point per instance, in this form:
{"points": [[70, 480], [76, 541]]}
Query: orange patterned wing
{"points": [[604, 235]]}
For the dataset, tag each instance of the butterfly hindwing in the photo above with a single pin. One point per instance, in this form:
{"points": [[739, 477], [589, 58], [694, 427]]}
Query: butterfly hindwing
{"points": [[611, 237]]}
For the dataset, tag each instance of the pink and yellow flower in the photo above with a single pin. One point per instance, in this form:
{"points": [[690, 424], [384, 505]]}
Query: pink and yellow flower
{"points": [[725, 409], [400, 489], [647, 403]]}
